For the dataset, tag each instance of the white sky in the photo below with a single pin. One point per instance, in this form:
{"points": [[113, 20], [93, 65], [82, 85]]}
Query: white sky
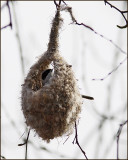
{"points": [[91, 57]]}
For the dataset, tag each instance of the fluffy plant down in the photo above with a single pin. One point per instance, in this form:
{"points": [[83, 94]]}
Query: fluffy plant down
{"points": [[51, 108]]}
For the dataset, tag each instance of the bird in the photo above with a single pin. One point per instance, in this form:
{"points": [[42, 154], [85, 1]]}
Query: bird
{"points": [[46, 75]]}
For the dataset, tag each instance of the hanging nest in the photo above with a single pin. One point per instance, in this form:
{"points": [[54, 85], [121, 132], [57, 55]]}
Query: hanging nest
{"points": [[51, 108]]}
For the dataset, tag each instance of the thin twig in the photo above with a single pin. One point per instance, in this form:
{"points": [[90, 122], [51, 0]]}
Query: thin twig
{"points": [[87, 97], [43, 148], [101, 79], [77, 142], [122, 13], [57, 5], [10, 17], [22, 143], [8, 25], [22, 135], [118, 136], [26, 143], [64, 2], [109, 40], [66, 139], [69, 9], [59, 2]]}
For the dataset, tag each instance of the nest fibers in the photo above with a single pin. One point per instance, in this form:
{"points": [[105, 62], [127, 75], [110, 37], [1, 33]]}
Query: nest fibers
{"points": [[51, 108]]}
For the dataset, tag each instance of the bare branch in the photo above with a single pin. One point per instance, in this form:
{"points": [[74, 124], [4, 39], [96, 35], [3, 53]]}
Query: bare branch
{"points": [[66, 139], [26, 142], [27, 145], [87, 97], [10, 17], [101, 79], [57, 5], [122, 13], [77, 142], [118, 136], [69, 9], [8, 25], [109, 40]]}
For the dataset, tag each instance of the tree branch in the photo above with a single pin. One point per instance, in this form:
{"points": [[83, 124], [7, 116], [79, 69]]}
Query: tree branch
{"points": [[77, 142], [26, 142], [122, 13], [87, 97], [10, 17], [57, 5], [69, 9], [101, 79]]}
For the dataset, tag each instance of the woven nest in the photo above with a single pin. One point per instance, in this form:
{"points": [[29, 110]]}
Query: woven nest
{"points": [[52, 108]]}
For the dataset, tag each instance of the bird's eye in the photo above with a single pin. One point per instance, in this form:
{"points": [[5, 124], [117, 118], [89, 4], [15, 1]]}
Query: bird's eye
{"points": [[45, 73]]}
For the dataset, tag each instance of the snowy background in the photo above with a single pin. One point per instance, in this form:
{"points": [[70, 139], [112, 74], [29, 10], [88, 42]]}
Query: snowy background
{"points": [[90, 55]]}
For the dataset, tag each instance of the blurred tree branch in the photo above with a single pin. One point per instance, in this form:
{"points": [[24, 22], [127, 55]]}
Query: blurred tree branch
{"points": [[118, 136], [2, 157], [17, 33]]}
